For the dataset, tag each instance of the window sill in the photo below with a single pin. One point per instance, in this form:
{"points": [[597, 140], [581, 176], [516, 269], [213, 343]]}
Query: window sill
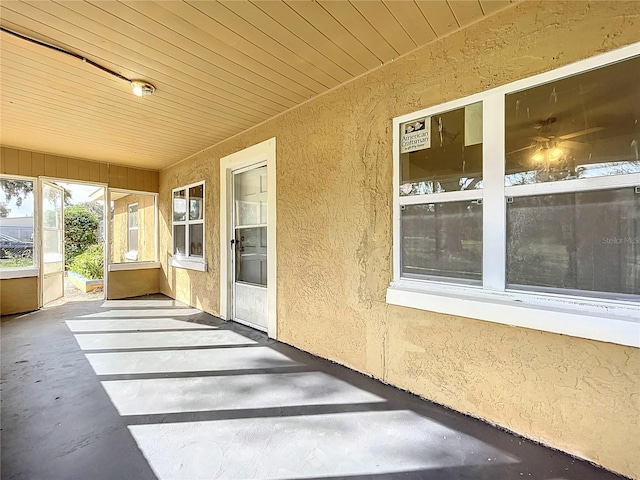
{"points": [[116, 267], [18, 272], [602, 320], [189, 264]]}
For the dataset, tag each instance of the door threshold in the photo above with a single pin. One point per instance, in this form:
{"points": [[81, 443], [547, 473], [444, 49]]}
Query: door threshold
{"points": [[250, 325]]}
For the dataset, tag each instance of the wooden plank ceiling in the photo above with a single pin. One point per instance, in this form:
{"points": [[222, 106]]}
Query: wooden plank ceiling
{"points": [[219, 67]]}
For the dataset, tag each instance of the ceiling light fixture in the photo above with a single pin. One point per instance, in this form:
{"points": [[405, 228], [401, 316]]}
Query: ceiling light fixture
{"points": [[140, 87], [548, 154]]}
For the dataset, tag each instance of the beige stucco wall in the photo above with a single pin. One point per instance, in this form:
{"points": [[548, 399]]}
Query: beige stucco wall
{"points": [[18, 295], [146, 232], [334, 228], [132, 283], [199, 289]]}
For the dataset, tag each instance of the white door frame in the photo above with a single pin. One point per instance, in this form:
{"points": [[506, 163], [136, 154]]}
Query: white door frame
{"points": [[256, 154]]}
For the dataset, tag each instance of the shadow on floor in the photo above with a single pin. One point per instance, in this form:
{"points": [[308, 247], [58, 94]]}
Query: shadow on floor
{"points": [[148, 388]]}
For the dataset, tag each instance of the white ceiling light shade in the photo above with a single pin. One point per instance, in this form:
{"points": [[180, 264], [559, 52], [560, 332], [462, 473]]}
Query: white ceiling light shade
{"points": [[141, 88]]}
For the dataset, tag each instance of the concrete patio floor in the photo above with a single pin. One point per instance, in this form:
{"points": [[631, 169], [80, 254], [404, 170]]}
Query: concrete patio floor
{"points": [[149, 388]]}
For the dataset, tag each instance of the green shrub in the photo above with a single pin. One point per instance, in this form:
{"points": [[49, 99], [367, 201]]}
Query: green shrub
{"points": [[80, 227], [90, 263]]}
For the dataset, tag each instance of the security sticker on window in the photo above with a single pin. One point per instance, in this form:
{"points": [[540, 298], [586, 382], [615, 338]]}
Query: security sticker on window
{"points": [[414, 135]]}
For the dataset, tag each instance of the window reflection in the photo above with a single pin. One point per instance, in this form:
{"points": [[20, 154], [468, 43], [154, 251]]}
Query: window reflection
{"points": [[188, 221], [442, 239], [179, 246], [587, 125], [450, 159], [196, 240], [251, 255], [16, 223], [581, 241], [179, 206], [132, 227], [195, 202]]}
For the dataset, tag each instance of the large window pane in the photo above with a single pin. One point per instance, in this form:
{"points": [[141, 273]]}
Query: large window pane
{"points": [[16, 223], [133, 227], [579, 241], [443, 240], [583, 126], [442, 153]]}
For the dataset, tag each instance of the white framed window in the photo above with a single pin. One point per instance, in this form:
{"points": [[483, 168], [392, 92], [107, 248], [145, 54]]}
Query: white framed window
{"points": [[521, 205], [18, 244], [440, 195], [133, 232], [188, 226]]}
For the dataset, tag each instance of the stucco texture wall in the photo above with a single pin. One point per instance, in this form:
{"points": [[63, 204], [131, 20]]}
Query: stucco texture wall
{"points": [[198, 289], [132, 283], [334, 227], [18, 295]]}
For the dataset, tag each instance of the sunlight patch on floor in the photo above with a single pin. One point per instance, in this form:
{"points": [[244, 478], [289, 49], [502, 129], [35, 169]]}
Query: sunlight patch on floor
{"points": [[177, 361], [78, 326], [144, 312], [195, 394], [332, 445], [143, 303], [133, 340]]}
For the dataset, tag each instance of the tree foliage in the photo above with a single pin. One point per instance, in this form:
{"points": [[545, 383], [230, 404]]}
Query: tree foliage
{"points": [[80, 231], [13, 189], [94, 207]]}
